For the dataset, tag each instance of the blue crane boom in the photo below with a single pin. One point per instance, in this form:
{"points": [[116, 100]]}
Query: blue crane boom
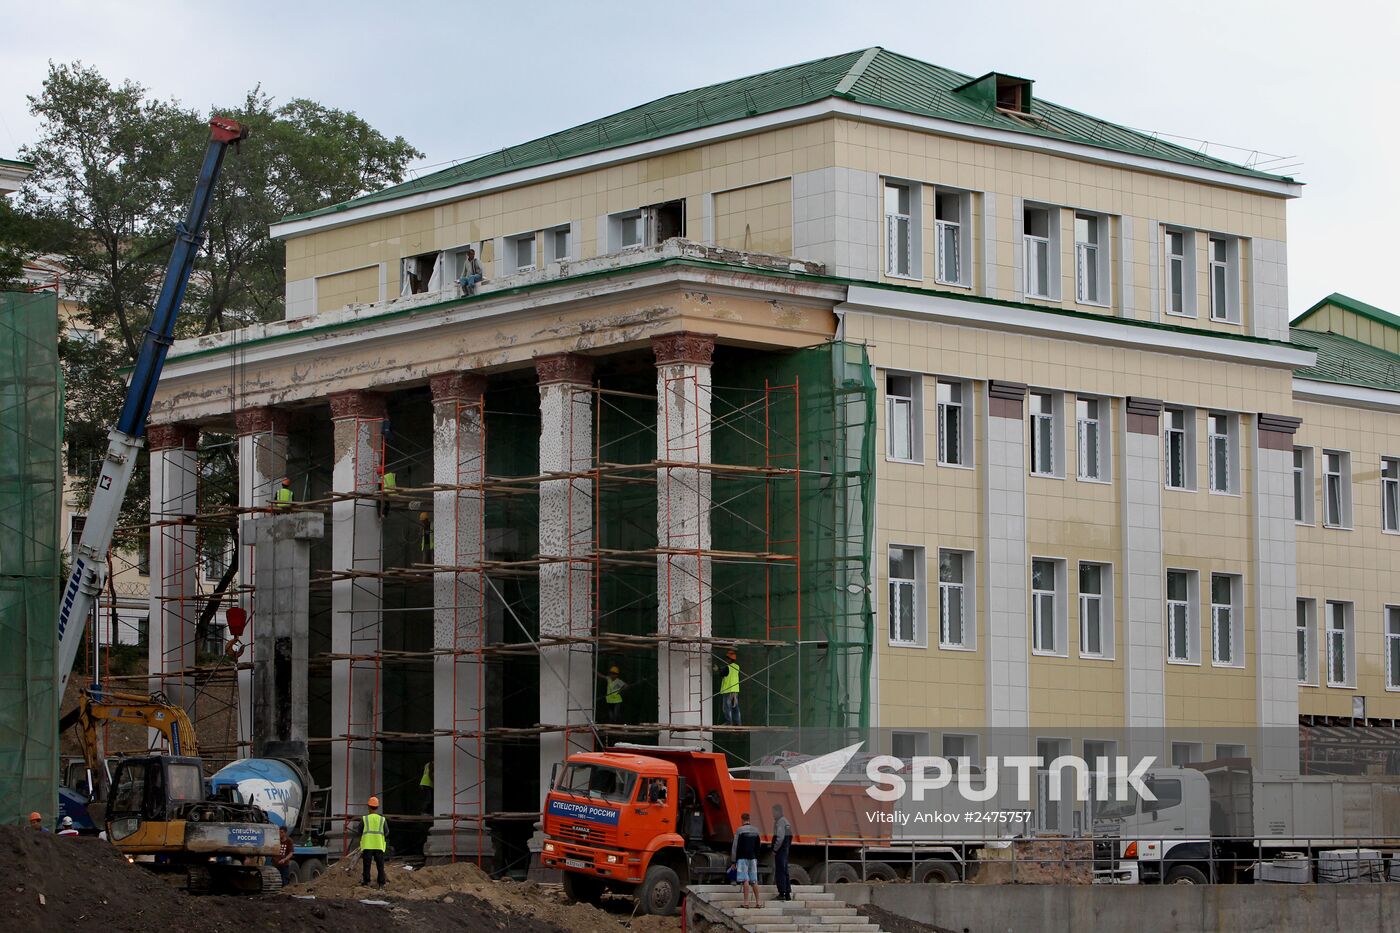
{"points": [[89, 572]]}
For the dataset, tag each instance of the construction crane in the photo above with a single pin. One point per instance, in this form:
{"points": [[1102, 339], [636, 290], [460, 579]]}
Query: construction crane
{"points": [[89, 573], [134, 709]]}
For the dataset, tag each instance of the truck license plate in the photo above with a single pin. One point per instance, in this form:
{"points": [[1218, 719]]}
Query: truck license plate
{"points": [[575, 863]]}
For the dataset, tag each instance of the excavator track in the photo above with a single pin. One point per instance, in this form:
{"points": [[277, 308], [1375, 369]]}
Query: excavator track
{"points": [[271, 879]]}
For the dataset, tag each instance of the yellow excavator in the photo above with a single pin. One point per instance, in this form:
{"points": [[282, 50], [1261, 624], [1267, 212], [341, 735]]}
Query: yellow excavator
{"points": [[158, 805]]}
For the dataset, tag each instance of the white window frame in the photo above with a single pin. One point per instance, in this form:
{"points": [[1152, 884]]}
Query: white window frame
{"points": [[1390, 495], [1050, 242], [512, 253], [1055, 419], [1226, 617], [963, 406], [1099, 422], [1343, 635], [966, 592], [1304, 492], [915, 588], [1104, 599], [1391, 620], [962, 238], [551, 242], [1229, 440], [919, 739], [1342, 477], [1101, 252], [1187, 434], [970, 749], [1227, 750], [1185, 753], [1305, 610], [1186, 260], [1055, 600], [914, 403], [912, 221], [618, 226], [1187, 608], [1225, 304]]}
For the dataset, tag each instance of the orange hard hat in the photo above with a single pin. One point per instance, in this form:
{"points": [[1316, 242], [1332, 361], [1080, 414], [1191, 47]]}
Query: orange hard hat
{"points": [[732, 653], [35, 817], [286, 481], [374, 801]]}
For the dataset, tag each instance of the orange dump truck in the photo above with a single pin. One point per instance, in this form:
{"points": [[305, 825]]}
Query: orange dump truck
{"points": [[649, 820]]}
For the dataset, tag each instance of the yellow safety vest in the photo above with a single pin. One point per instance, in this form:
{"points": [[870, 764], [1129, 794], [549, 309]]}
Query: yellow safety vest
{"points": [[730, 684], [615, 685], [284, 497], [389, 481], [427, 779], [373, 827]]}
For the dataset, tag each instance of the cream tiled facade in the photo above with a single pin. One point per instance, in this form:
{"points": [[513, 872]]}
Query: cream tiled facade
{"points": [[861, 206]]}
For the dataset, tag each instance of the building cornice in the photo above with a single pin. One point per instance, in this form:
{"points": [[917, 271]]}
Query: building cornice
{"points": [[1337, 393]]}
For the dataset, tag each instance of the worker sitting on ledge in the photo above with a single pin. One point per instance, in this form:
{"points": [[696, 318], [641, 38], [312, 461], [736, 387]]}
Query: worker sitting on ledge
{"points": [[471, 273], [282, 498], [729, 688]]}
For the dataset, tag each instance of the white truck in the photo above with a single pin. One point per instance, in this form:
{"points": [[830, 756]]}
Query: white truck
{"points": [[1218, 822]]}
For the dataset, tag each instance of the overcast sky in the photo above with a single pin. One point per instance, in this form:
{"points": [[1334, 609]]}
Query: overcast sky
{"points": [[1316, 83]]}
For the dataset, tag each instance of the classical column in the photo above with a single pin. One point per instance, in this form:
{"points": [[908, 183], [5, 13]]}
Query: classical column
{"points": [[174, 558], [263, 440], [566, 538], [1008, 623], [356, 545], [1144, 587], [683, 580], [1276, 594], [459, 617]]}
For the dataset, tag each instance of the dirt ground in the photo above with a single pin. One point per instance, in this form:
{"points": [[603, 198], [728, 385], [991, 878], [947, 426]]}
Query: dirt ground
{"points": [[53, 883], [894, 923]]}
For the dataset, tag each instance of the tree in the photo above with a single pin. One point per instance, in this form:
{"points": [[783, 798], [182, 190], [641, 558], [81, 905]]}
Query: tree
{"points": [[114, 170]]}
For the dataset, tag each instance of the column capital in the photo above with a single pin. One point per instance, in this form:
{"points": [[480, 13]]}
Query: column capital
{"points": [[564, 367], [1005, 398], [262, 420], [356, 403], [1276, 431], [683, 347], [449, 387], [181, 434], [1142, 414]]}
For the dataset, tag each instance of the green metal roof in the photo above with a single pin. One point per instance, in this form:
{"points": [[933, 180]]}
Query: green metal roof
{"points": [[1337, 299], [874, 76], [1350, 362], [17, 163]]}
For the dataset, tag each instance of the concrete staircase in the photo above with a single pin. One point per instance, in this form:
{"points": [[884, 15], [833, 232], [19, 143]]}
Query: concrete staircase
{"points": [[811, 910]]}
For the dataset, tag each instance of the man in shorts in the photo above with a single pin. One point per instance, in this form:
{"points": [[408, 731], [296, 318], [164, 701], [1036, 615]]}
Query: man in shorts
{"points": [[744, 852]]}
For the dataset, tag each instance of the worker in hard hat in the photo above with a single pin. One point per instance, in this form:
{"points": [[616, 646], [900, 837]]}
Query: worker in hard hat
{"points": [[282, 498], [37, 822], [729, 687], [374, 835], [65, 828], [425, 536], [612, 697]]}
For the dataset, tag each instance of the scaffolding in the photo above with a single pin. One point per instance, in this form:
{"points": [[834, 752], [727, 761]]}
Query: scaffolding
{"points": [[31, 572]]}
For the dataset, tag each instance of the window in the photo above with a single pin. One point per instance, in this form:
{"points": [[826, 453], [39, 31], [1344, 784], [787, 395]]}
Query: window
{"points": [[1224, 305], [143, 554], [1047, 612], [1041, 250], [1224, 621], [1339, 645], [952, 425], [908, 745], [1390, 494], [1228, 750], [903, 417], [906, 608], [954, 603], [1303, 485], [1392, 647], [76, 524], [1089, 414], [1095, 610], [624, 231], [949, 210], [1178, 443], [1181, 273], [1181, 605], [218, 554], [1090, 259], [1044, 434], [520, 253], [420, 274], [1222, 451], [558, 243], [1183, 754], [1307, 641], [1336, 488], [960, 746], [901, 231]]}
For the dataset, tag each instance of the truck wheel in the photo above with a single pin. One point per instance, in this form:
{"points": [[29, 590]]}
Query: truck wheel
{"points": [[660, 892], [584, 889], [834, 873], [198, 880], [1186, 874], [935, 871], [294, 871], [311, 869], [798, 875], [880, 871]]}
